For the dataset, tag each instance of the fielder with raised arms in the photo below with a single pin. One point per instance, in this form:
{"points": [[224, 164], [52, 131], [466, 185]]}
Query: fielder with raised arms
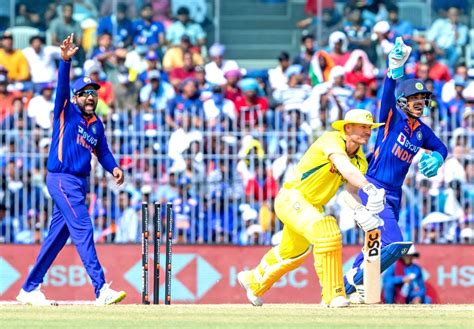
{"points": [[77, 132], [403, 136]]}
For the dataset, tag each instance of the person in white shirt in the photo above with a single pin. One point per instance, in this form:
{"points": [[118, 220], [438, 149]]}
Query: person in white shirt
{"points": [[40, 107], [218, 66], [219, 110], [277, 76], [42, 61]]}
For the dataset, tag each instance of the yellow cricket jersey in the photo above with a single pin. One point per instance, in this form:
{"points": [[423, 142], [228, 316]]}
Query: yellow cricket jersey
{"points": [[315, 176]]}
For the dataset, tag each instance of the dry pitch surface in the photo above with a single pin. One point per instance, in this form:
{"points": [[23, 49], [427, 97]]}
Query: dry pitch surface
{"points": [[237, 316]]}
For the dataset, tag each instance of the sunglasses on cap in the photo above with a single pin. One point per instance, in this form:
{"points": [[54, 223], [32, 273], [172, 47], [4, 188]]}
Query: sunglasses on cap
{"points": [[87, 93]]}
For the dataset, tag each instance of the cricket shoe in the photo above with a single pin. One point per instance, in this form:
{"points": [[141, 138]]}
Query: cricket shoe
{"points": [[108, 296], [34, 297], [337, 302], [245, 279], [358, 296]]}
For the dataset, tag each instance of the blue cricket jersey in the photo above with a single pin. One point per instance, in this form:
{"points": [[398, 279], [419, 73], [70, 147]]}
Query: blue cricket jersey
{"points": [[75, 137], [398, 141]]}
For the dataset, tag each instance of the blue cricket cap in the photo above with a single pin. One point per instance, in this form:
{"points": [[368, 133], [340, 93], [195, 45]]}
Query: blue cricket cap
{"points": [[412, 87], [82, 83]]}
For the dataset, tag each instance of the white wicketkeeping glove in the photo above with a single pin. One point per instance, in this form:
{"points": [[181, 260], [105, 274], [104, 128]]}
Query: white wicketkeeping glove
{"points": [[376, 198], [366, 219], [397, 58]]}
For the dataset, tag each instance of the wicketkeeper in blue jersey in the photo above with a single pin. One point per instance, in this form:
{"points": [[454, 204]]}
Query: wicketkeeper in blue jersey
{"points": [[77, 133], [403, 135]]}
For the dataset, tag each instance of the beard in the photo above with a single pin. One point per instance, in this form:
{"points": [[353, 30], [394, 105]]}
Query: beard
{"points": [[87, 107]]}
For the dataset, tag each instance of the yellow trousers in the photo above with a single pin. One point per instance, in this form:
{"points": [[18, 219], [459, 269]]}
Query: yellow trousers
{"points": [[305, 225]]}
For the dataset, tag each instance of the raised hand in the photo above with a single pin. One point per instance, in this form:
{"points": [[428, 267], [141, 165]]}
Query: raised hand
{"points": [[397, 58], [68, 48]]}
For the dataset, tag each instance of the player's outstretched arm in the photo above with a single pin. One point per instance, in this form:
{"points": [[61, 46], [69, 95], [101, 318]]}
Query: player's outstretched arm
{"points": [[396, 62], [68, 49], [376, 197]]}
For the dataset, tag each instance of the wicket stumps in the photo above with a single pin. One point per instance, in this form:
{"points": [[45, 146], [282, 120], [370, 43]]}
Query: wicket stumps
{"points": [[156, 252]]}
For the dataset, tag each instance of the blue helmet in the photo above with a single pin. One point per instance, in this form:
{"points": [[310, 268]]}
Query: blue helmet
{"points": [[409, 88]]}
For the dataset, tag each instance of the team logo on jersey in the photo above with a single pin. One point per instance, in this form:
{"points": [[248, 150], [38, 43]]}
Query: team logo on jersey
{"points": [[419, 135], [401, 139], [419, 86], [94, 130]]}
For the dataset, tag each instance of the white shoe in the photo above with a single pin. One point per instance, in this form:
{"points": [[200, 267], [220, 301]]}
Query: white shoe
{"points": [[242, 277], [34, 297], [357, 297], [109, 296], [337, 302]]}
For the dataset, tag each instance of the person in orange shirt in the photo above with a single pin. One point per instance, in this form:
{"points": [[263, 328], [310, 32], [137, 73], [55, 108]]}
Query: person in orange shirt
{"points": [[13, 60]]}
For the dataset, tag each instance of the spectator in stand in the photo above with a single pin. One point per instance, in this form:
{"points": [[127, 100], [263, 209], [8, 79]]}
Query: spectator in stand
{"points": [[185, 26], [231, 89], [106, 7], [219, 111], [306, 56], [359, 69], [42, 61], [108, 56], [452, 112], [398, 27], [448, 91], [127, 220], [41, 107], [156, 94], [338, 48], [106, 92], [64, 25], [360, 100], [331, 22], [290, 97], [383, 43], [174, 56], [187, 103], [403, 282], [119, 24], [178, 74], [276, 76], [13, 60], [251, 107], [320, 68], [148, 32], [152, 64], [449, 36], [216, 68], [437, 70], [358, 32], [6, 99]]}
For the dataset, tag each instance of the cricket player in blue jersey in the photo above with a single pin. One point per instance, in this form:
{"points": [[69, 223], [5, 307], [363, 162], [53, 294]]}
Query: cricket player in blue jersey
{"points": [[77, 133], [403, 135]]}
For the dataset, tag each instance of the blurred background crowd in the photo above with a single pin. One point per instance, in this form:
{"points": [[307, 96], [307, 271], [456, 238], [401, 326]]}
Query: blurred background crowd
{"points": [[192, 126]]}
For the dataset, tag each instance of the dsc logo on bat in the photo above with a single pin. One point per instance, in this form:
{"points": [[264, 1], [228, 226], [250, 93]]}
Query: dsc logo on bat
{"points": [[373, 243]]}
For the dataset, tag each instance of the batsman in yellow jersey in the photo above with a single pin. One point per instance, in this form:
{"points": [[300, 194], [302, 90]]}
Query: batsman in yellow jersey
{"points": [[333, 159]]}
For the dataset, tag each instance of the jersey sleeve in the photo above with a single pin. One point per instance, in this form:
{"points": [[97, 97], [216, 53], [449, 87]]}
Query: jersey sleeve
{"points": [[63, 91], [388, 103], [105, 157], [332, 143], [433, 143]]}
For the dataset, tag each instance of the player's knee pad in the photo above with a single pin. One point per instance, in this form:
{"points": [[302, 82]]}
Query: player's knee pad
{"points": [[273, 267], [327, 252]]}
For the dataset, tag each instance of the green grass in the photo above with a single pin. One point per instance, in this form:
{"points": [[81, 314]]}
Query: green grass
{"points": [[237, 316]]}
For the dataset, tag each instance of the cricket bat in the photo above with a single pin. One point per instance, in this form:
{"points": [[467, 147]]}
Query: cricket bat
{"points": [[371, 263]]}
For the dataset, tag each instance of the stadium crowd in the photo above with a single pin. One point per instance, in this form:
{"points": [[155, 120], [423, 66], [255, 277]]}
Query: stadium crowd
{"points": [[192, 127]]}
